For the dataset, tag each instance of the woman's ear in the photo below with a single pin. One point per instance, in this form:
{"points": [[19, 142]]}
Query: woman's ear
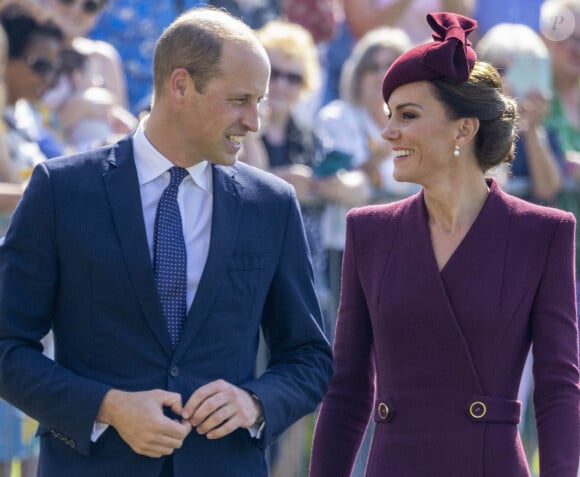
{"points": [[468, 128]]}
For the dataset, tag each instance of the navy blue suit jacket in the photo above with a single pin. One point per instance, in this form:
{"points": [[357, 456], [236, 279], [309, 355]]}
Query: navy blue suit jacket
{"points": [[76, 260]]}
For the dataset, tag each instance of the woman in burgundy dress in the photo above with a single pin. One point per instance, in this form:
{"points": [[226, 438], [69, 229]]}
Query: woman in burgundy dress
{"points": [[444, 293]]}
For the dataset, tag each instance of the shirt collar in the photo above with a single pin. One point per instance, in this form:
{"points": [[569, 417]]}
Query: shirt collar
{"points": [[151, 163]]}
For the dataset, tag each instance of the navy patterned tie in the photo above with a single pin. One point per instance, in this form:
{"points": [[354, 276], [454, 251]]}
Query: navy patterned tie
{"points": [[170, 257]]}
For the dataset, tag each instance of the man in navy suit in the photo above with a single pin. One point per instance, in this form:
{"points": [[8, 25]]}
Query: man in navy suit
{"points": [[121, 398]]}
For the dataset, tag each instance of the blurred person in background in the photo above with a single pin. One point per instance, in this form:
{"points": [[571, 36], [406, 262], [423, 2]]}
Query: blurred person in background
{"points": [[33, 62], [88, 104], [284, 145], [29, 52], [132, 27], [560, 26], [290, 148], [538, 169], [10, 188]]}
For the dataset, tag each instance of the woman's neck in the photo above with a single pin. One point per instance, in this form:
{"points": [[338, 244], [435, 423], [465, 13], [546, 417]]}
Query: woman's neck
{"points": [[454, 206]]}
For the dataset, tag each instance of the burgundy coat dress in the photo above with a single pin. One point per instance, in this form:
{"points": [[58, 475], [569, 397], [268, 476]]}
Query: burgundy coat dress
{"points": [[445, 349]]}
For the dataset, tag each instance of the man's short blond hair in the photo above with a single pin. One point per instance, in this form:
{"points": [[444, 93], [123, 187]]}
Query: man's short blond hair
{"points": [[194, 41]]}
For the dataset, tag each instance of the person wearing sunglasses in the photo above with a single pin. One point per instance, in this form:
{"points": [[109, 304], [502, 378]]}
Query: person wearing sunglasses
{"points": [[89, 99], [33, 63], [294, 152], [33, 54]]}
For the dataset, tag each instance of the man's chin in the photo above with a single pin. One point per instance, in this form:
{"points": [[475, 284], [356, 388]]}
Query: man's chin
{"points": [[227, 160]]}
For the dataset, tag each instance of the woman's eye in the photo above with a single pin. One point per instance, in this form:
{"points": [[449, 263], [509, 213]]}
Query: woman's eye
{"points": [[408, 115]]}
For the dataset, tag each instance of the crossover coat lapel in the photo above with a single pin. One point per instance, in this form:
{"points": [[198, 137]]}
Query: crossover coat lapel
{"points": [[429, 323]]}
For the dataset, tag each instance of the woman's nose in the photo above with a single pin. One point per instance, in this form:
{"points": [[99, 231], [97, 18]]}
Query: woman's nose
{"points": [[389, 132]]}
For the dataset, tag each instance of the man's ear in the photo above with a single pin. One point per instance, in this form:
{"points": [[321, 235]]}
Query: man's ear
{"points": [[179, 82]]}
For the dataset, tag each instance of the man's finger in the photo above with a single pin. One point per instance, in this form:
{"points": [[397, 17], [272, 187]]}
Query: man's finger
{"points": [[215, 419], [200, 395], [171, 400]]}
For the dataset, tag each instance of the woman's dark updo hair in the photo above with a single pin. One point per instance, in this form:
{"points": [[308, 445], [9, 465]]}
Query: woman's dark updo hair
{"points": [[481, 97]]}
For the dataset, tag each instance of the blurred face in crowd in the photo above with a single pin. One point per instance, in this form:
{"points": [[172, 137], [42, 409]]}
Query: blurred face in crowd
{"points": [[76, 17], [30, 75], [502, 64], [566, 52], [286, 82], [371, 77]]}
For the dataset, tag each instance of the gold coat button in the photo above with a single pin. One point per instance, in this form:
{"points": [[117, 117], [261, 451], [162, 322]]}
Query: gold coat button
{"points": [[477, 409], [383, 411]]}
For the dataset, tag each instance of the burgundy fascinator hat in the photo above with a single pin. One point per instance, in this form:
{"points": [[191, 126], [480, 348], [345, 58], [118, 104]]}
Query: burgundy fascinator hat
{"points": [[449, 56]]}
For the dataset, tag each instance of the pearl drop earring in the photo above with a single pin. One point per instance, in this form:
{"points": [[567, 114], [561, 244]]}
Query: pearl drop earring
{"points": [[456, 151]]}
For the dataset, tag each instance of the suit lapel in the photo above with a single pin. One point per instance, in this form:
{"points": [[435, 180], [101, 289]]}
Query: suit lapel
{"points": [[227, 206], [122, 186]]}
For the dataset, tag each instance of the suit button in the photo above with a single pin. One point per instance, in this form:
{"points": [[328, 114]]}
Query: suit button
{"points": [[477, 409], [174, 372], [383, 411]]}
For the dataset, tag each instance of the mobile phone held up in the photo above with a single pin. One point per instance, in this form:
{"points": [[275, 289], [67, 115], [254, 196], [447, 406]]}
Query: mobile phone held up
{"points": [[530, 73]]}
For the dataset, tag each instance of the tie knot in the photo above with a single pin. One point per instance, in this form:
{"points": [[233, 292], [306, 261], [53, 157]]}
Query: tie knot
{"points": [[177, 175]]}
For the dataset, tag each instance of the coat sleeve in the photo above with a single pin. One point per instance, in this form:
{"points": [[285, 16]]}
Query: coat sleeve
{"points": [[60, 400], [555, 352], [300, 359], [345, 410]]}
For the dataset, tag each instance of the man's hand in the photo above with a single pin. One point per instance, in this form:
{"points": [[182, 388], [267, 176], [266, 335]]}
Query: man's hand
{"points": [[138, 418], [219, 408]]}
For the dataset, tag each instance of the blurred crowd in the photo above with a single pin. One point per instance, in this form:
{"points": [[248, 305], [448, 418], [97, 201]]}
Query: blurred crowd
{"points": [[77, 74]]}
